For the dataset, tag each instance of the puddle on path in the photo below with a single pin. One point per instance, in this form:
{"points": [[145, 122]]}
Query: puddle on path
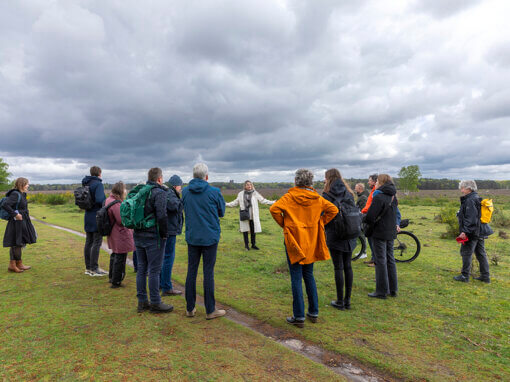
{"points": [[349, 368]]}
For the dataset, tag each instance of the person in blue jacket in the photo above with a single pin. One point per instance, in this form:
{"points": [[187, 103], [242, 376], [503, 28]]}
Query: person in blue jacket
{"points": [[203, 206], [94, 239], [174, 210]]}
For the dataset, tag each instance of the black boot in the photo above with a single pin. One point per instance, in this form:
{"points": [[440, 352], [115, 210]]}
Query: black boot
{"points": [[347, 303], [337, 304]]}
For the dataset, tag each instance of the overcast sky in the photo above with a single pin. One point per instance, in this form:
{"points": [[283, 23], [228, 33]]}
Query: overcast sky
{"points": [[256, 89]]}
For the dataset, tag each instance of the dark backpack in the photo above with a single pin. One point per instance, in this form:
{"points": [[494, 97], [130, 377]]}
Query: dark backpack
{"points": [[104, 224], [3, 213], [347, 222], [83, 198]]}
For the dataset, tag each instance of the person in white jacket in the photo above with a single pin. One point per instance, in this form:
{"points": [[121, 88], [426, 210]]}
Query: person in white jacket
{"points": [[249, 221]]}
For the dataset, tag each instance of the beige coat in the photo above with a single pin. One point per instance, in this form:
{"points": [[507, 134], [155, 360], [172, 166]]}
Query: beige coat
{"points": [[244, 226]]}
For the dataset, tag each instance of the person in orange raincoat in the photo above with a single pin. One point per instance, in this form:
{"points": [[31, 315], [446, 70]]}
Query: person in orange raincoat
{"points": [[303, 213]]}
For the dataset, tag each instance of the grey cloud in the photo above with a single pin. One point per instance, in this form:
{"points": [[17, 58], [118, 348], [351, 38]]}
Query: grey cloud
{"points": [[440, 8], [242, 85]]}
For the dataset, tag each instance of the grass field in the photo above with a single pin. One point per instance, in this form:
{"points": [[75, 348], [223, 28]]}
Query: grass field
{"points": [[437, 329], [58, 324]]}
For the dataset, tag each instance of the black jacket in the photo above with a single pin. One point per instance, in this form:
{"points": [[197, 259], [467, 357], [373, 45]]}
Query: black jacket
{"points": [[156, 204], [97, 191], [18, 232], [386, 227], [339, 192], [469, 215], [174, 208]]}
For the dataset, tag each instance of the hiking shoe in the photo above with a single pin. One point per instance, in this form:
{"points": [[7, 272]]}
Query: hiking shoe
{"points": [[88, 272], [363, 256], [337, 305], [192, 313], [171, 292], [246, 248], [375, 295], [483, 279], [312, 318], [217, 313], [161, 308], [255, 247], [98, 273], [298, 323], [461, 279], [143, 306]]}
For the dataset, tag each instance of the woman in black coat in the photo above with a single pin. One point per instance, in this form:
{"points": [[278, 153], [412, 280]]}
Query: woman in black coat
{"points": [[335, 189], [19, 230], [382, 215]]}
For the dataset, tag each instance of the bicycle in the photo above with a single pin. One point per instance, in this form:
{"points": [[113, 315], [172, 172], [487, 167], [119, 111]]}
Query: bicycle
{"points": [[406, 247]]}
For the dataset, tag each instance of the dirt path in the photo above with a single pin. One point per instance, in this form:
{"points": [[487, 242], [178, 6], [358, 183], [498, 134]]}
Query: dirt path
{"points": [[351, 369]]}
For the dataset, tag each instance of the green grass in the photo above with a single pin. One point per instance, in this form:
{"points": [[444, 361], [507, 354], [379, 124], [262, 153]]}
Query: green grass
{"points": [[437, 329], [58, 324]]}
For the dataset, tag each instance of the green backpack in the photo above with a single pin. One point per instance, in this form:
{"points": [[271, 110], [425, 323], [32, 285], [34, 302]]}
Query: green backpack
{"points": [[132, 209]]}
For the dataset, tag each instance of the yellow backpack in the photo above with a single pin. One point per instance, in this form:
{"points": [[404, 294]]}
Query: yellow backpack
{"points": [[486, 210]]}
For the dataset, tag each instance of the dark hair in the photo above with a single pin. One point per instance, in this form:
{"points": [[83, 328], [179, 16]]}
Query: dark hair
{"points": [[373, 177], [20, 183], [118, 189], [154, 174], [95, 171], [331, 176]]}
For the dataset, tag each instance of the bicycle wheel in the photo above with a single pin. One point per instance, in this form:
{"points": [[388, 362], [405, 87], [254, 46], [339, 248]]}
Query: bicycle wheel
{"points": [[406, 247], [361, 248]]}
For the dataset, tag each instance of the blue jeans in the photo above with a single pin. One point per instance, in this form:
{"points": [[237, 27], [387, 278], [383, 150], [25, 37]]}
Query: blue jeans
{"points": [[194, 254], [135, 261], [149, 253], [165, 280], [304, 272]]}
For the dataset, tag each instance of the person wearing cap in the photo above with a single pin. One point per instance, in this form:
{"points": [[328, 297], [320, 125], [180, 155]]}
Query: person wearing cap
{"points": [[174, 209]]}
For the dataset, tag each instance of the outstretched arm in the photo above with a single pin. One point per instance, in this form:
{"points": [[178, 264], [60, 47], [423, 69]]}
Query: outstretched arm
{"points": [[263, 200], [233, 203]]}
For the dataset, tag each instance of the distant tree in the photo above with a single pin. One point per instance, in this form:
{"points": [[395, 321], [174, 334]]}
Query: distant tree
{"points": [[409, 178], [4, 175]]}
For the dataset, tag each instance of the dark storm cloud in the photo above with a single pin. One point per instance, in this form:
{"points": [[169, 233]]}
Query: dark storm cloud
{"points": [[252, 87]]}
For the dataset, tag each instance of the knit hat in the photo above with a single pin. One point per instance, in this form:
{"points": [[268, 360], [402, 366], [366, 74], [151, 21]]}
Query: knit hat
{"points": [[175, 180]]}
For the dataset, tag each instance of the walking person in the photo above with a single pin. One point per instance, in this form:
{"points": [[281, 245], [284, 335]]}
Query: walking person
{"points": [[472, 229], [19, 230], [302, 213], [150, 245], [93, 238], [372, 181], [249, 220], [336, 189], [174, 209], [120, 240], [382, 217], [203, 206]]}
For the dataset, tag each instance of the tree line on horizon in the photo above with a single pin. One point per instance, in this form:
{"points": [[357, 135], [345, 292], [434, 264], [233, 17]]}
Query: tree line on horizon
{"points": [[409, 180]]}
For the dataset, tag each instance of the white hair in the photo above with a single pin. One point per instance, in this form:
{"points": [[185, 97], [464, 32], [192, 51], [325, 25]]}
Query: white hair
{"points": [[200, 171], [468, 184]]}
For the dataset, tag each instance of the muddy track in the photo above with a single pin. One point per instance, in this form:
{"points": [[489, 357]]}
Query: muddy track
{"points": [[343, 365]]}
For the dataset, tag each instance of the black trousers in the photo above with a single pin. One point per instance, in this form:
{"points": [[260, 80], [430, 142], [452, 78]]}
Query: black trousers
{"points": [[15, 253], [91, 252], [342, 266], [117, 270], [252, 234], [478, 247]]}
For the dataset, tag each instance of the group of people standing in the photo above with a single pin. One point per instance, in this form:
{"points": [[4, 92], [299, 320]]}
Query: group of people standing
{"points": [[305, 216]]}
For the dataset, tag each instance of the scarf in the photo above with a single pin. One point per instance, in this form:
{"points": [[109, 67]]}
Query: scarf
{"points": [[247, 199]]}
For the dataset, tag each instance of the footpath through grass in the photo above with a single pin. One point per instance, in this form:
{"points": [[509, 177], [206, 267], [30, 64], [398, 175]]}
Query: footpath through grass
{"points": [[436, 329], [58, 324]]}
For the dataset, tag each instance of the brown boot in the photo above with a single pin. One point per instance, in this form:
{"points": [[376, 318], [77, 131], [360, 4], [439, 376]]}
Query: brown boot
{"points": [[13, 267], [19, 264]]}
